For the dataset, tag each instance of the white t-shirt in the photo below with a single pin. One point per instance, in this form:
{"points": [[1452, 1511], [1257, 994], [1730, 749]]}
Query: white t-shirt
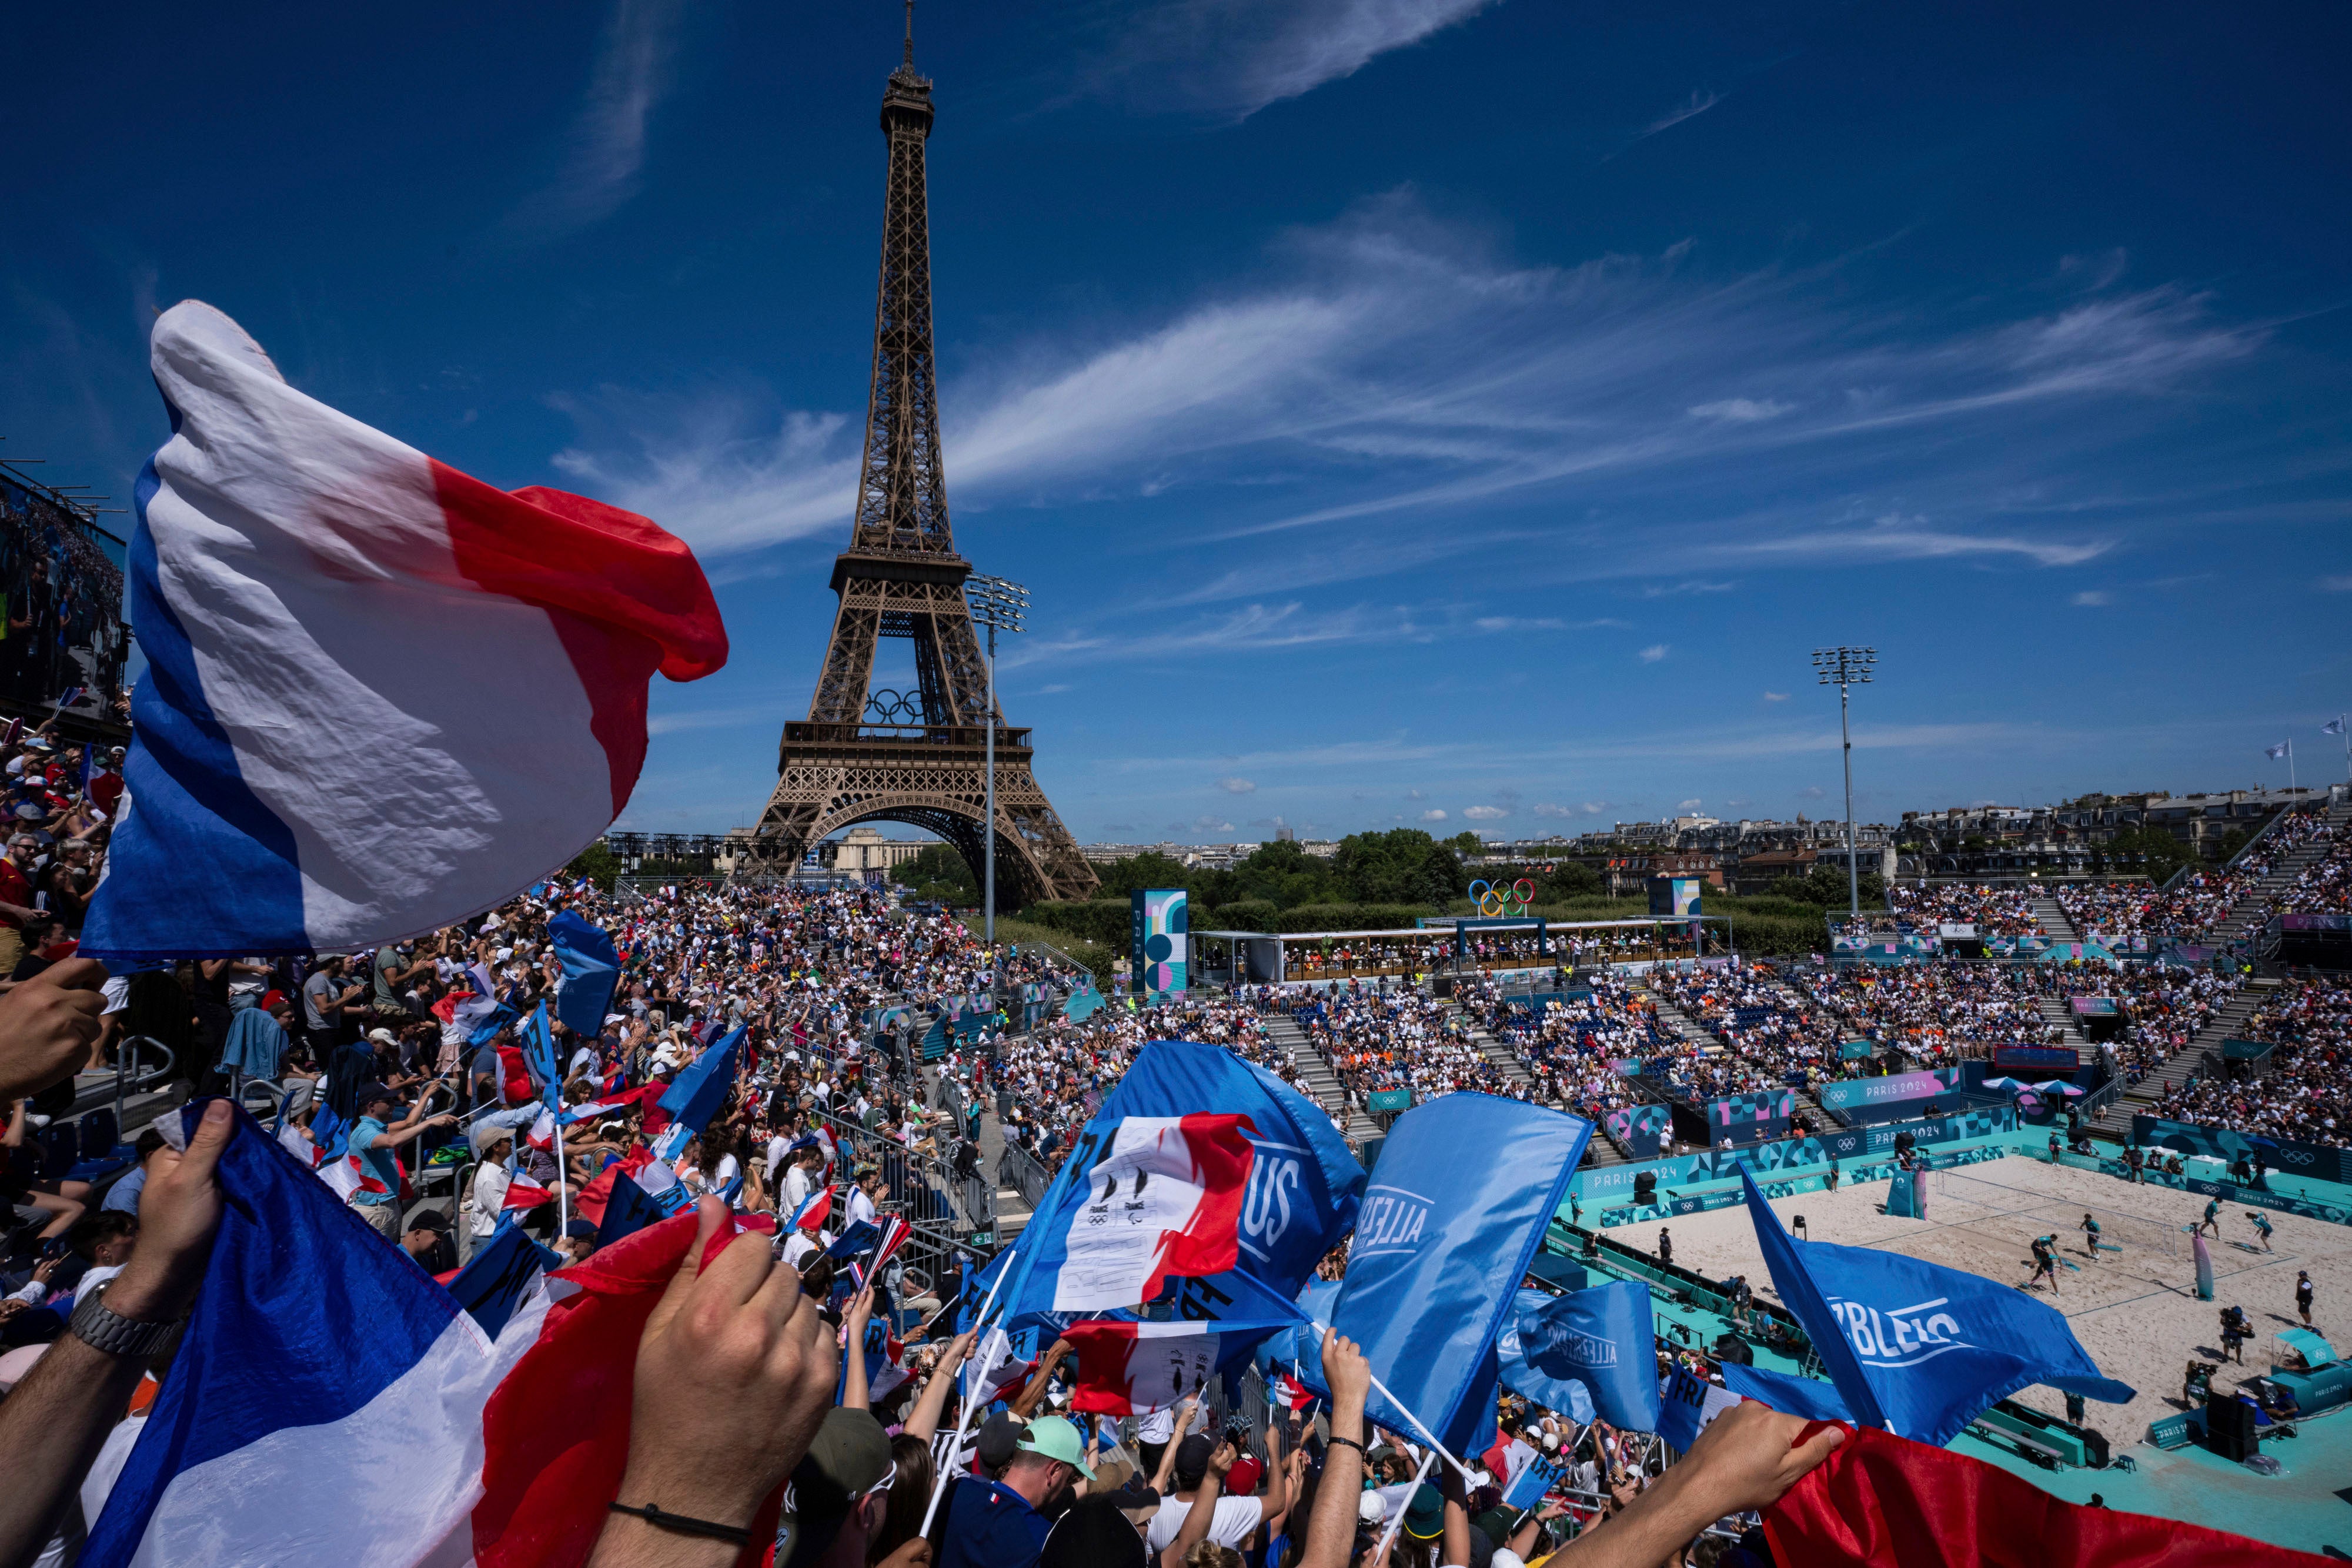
{"points": [[860, 1206], [1157, 1428], [1237, 1518]]}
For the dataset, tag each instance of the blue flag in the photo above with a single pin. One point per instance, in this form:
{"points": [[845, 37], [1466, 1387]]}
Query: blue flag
{"points": [[1915, 1347], [1302, 1344], [1686, 1405], [697, 1094], [1304, 1186], [1605, 1339], [1787, 1392], [1467, 1185], [1568, 1397], [591, 967], [629, 1210], [499, 1276], [539, 1049]]}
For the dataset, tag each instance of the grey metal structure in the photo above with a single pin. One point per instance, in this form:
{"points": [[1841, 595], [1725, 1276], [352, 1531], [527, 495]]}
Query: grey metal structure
{"points": [[928, 756], [1845, 668]]}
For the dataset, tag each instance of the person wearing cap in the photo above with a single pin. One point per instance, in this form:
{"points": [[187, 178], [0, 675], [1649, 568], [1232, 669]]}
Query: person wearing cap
{"points": [[1003, 1523], [578, 1242], [1235, 1518], [426, 1240], [372, 1140], [840, 1495]]}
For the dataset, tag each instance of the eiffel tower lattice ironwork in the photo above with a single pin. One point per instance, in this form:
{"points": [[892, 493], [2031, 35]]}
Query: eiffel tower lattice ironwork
{"points": [[916, 756]]}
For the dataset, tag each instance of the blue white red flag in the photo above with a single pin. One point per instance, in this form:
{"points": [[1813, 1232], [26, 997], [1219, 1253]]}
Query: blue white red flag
{"points": [[813, 1210], [696, 1094], [484, 657], [331, 1403], [1162, 1199]]}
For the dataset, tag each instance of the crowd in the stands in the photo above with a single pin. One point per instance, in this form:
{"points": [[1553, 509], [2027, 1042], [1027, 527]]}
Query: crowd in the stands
{"points": [[1993, 911], [2305, 1091]]}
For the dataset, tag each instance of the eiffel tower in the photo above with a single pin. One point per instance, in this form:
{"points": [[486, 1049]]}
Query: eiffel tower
{"points": [[919, 756]]}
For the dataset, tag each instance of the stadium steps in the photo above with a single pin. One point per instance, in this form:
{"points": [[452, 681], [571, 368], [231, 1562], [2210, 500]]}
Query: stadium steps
{"points": [[2056, 1010], [2248, 914], [2141, 1099], [1686, 1027], [2053, 919], [1325, 1083]]}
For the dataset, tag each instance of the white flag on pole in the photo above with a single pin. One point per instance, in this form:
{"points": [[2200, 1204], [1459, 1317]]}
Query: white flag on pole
{"points": [[2283, 748]]}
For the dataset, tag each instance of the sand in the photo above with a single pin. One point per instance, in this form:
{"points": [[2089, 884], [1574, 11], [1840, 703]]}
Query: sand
{"points": [[2135, 1311]]}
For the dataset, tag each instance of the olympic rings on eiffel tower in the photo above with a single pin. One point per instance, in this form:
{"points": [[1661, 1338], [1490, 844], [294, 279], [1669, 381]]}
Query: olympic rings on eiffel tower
{"points": [[1500, 900]]}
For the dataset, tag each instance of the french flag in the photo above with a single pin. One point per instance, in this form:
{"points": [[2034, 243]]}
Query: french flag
{"points": [[383, 695], [331, 1403], [346, 1175], [1165, 1199], [811, 1212], [1136, 1368], [524, 1191]]}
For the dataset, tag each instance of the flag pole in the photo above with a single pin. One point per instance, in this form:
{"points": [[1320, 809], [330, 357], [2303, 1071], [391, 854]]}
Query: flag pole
{"points": [[562, 1181], [1396, 1520], [1427, 1436], [963, 1421]]}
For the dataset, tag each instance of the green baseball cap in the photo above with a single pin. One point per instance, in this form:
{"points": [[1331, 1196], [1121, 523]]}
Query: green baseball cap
{"points": [[1057, 1439]]}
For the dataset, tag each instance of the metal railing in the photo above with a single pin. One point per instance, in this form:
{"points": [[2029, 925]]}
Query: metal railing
{"points": [[1020, 1170], [925, 1189], [129, 1079]]}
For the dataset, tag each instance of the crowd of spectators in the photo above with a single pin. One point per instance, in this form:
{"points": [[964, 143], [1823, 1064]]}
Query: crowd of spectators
{"points": [[1929, 1010], [2304, 1092], [1397, 1039], [2324, 886], [2193, 907], [1993, 911], [1570, 1046]]}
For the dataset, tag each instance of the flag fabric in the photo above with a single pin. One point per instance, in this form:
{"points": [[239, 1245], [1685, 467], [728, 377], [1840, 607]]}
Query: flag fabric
{"points": [[591, 967], [813, 1210], [345, 1175], [1603, 1339], [2332, 727], [501, 1276], [1685, 1405], [624, 1207], [1915, 1347], [524, 1192], [1162, 1199], [1881, 1500], [1133, 1368], [1303, 1185], [2281, 750], [695, 1096], [484, 655], [541, 1136], [331, 1403], [539, 1053], [1303, 1342], [1568, 1395], [1787, 1392], [610, 1104], [1535, 1480], [1441, 1244], [478, 1014]]}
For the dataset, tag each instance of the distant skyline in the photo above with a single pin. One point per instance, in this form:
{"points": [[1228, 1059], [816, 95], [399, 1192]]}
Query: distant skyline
{"points": [[1453, 414]]}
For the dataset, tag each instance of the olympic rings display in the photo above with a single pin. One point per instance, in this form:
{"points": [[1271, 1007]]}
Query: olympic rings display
{"points": [[1501, 901]]}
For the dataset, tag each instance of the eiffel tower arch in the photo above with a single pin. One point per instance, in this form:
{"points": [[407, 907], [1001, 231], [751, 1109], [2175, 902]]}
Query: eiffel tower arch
{"points": [[866, 754]]}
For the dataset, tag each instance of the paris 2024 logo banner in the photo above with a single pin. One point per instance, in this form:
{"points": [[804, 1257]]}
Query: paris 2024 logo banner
{"points": [[1157, 926]]}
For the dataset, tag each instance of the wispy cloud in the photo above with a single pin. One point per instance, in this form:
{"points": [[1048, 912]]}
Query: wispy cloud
{"points": [[1691, 108], [2091, 597], [1226, 59], [1484, 813], [1776, 696], [1237, 786], [1433, 815], [1396, 371], [607, 150], [2335, 585], [1653, 652]]}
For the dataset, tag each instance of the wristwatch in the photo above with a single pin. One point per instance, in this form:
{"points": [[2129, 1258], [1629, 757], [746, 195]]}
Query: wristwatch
{"points": [[102, 1330]]}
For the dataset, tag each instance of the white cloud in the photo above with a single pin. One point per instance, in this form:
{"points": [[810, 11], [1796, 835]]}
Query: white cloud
{"points": [[1395, 368], [1811, 792], [1698, 103], [1237, 786], [1776, 696], [1484, 813], [1433, 816], [2093, 596], [1653, 652], [608, 140], [2335, 585], [1211, 825], [1229, 58], [1548, 809], [1688, 806], [1742, 411]]}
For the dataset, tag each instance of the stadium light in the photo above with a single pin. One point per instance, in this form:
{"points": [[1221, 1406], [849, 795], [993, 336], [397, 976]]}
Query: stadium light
{"points": [[1845, 668], [1001, 605]]}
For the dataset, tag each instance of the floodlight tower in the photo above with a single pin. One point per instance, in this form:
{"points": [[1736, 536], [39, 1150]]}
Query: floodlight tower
{"points": [[1845, 668], [999, 606]]}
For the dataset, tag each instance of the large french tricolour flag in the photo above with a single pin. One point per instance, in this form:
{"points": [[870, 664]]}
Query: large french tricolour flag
{"points": [[330, 1403], [381, 696], [1164, 1199]]}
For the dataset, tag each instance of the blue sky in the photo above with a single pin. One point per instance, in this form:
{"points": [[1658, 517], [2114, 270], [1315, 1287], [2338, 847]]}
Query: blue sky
{"points": [[1403, 410]]}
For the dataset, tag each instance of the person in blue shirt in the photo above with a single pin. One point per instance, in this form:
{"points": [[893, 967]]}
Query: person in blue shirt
{"points": [[1003, 1524], [372, 1139], [123, 1195]]}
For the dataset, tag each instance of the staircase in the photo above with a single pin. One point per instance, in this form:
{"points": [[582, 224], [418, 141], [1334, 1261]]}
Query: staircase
{"points": [[2250, 913], [1322, 1081], [1686, 1028], [2053, 919], [2141, 1099], [2056, 1010], [1494, 1050]]}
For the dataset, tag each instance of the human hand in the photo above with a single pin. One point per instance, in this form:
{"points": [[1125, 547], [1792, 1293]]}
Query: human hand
{"points": [[44, 1271], [46, 1023], [733, 1377], [1745, 1460], [916, 1554], [1346, 1373], [860, 1307], [179, 1211], [1223, 1459]]}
